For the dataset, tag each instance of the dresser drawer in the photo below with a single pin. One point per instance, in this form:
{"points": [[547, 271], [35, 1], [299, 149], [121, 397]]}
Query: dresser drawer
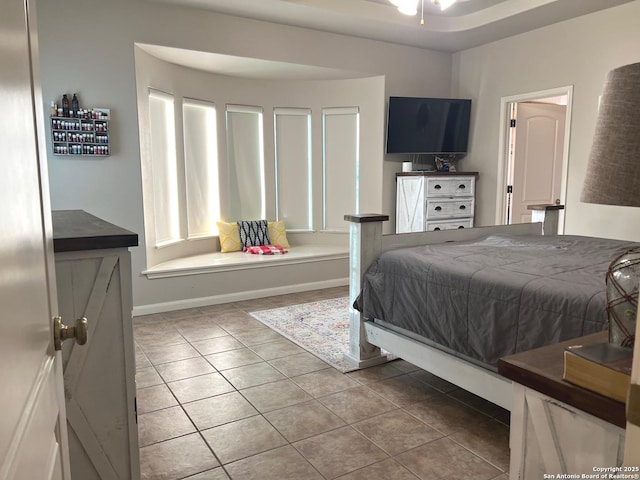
{"points": [[444, 208], [449, 224], [431, 201], [450, 186]]}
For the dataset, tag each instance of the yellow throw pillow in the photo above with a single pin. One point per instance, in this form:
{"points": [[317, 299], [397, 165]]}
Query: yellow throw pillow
{"points": [[278, 234], [229, 237]]}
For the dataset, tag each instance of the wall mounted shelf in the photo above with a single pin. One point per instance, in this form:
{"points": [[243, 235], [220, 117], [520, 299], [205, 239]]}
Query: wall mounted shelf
{"points": [[87, 135]]}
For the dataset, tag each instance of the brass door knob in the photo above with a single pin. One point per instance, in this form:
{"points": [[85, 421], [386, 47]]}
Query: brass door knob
{"points": [[61, 332]]}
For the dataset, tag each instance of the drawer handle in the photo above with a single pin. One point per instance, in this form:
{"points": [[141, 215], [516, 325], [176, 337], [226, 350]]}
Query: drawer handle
{"points": [[462, 186], [437, 209], [462, 207], [437, 187], [436, 229], [461, 226]]}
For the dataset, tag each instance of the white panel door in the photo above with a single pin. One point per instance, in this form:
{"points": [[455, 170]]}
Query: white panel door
{"points": [[32, 424], [537, 170]]}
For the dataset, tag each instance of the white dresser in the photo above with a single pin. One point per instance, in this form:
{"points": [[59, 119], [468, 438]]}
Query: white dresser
{"points": [[431, 201], [93, 277]]}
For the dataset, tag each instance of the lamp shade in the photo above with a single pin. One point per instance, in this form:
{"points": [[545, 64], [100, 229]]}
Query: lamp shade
{"points": [[613, 171]]}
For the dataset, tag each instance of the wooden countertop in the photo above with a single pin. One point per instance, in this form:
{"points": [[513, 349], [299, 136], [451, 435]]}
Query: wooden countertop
{"points": [[545, 207], [435, 173], [541, 370], [76, 230]]}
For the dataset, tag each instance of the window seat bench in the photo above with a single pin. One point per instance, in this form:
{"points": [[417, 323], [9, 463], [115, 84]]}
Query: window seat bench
{"points": [[223, 262]]}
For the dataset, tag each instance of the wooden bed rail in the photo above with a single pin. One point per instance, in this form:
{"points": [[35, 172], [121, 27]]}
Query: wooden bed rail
{"points": [[402, 240]]}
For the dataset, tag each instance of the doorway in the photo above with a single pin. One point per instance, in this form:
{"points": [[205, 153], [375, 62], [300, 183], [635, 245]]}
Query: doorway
{"points": [[533, 157]]}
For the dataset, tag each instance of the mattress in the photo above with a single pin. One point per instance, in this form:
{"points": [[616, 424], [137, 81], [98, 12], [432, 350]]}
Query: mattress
{"points": [[495, 296]]}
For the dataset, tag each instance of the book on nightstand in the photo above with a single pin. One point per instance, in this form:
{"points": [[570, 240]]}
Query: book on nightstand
{"points": [[603, 368]]}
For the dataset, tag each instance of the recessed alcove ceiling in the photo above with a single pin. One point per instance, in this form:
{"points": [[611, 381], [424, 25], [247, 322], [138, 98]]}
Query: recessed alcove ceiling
{"points": [[244, 67], [466, 24]]}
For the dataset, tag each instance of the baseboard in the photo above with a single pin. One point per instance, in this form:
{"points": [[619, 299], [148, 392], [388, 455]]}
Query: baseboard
{"points": [[236, 297]]}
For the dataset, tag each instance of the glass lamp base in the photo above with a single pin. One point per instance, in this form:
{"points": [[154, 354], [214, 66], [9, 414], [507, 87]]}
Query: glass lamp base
{"points": [[623, 279]]}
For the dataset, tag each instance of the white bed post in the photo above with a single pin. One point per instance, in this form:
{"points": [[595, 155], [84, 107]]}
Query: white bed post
{"points": [[549, 215], [365, 245]]}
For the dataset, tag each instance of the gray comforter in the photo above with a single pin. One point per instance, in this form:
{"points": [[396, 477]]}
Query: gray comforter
{"points": [[495, 296]]}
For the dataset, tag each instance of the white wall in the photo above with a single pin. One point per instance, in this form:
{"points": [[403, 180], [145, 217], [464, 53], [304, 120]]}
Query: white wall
{"points": [[578, 52], [87, 46]]}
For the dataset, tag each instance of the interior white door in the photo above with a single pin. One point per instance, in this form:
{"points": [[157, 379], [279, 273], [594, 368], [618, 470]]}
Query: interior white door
{"points": [[32, 424], [538, 156]]}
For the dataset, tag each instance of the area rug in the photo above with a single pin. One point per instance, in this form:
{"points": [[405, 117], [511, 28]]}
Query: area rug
{"points": [[321, 328]]}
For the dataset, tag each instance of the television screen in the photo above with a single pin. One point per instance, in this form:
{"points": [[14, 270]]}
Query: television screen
{"points": [[428, 125]]}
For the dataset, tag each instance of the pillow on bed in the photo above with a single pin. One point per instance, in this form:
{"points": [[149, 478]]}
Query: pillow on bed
{"points": [[229, 237], [253, 232], [278, 234]]}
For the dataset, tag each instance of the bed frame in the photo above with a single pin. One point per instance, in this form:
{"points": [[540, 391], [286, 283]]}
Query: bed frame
{"points": [[366, 338]]}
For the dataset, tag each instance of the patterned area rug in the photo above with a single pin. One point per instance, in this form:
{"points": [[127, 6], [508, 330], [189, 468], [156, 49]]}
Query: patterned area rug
{"points": [[321, 328]]}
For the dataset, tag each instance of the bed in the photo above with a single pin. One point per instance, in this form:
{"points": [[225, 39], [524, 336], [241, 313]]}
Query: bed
{"points": [[455, 302]]}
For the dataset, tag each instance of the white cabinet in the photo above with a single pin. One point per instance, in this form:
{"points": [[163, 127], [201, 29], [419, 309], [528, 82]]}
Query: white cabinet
{"points": [[432, 201], [93, 278], [560, 430], [551, 437]]}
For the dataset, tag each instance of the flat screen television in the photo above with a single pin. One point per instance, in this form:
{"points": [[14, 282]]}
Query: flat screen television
{"points": [[428, 125]]}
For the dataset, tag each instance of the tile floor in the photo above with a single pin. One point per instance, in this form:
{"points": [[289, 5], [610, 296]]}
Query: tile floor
{"points": [[221, 396]]}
